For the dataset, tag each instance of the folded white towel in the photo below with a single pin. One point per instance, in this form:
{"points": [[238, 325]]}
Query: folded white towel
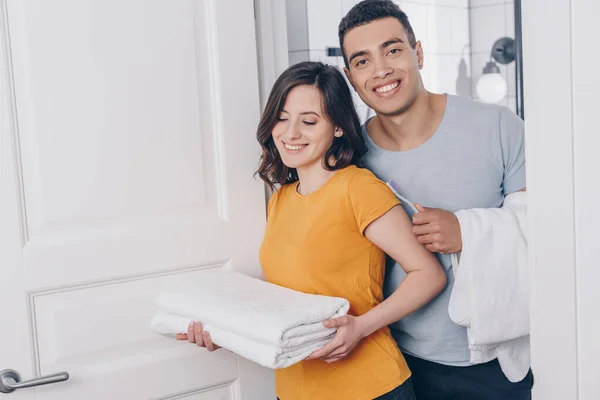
{"points": [[491, 292], [269, 324], [269, 356]]}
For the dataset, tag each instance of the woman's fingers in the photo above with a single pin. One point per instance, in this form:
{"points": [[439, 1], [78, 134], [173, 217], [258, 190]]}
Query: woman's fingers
{"points": [[190, 333], [198, 334], [208, 342]]}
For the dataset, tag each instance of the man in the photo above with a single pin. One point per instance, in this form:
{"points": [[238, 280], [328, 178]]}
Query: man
{"points": [[445, 153]]}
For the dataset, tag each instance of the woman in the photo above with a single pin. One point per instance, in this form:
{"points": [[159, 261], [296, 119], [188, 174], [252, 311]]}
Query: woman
{"points": [[329, 227]]}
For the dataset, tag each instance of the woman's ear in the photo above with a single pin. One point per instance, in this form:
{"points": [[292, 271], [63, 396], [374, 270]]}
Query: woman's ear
{"points": [[338, 132]]}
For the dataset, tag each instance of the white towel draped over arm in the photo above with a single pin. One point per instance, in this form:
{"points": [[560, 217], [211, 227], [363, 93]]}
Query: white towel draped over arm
{"points": [[491, 291]]}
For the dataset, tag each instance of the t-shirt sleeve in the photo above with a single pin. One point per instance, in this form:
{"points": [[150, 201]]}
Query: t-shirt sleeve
{"points": [[370, 198], [272, 201], [512, 140]]}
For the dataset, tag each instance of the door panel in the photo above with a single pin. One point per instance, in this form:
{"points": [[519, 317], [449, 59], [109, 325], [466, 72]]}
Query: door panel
{"points": [[131, 129], [118, 140]]}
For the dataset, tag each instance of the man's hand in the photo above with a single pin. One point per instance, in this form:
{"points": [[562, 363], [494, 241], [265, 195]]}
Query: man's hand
{"points": [[438, 230]]}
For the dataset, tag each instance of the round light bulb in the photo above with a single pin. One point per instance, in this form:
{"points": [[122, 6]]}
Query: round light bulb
{"points": [[491, 88]]}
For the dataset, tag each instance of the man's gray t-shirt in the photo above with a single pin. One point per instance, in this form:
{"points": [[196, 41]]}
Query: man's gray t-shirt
{"points": [[474, 159]]}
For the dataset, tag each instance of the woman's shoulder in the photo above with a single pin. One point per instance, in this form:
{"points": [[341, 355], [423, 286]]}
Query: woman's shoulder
{"points": [[368, 197], [361, 183], [358, 176]]}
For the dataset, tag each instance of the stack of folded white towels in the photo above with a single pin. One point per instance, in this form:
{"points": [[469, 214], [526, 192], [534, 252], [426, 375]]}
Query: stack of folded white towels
{"points": [[271, 325]]}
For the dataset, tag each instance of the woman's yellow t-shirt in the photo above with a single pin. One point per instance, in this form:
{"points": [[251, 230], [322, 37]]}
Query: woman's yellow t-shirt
{"points": [[315, 244]]}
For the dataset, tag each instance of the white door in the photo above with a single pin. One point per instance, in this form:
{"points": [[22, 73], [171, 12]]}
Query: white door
{"points": [[127, 157]]}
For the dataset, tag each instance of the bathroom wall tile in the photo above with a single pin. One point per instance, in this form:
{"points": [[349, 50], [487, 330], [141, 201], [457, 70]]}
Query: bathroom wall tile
{"points": [[488, 24], [448, 73], [461, 31], [442, 3], [417, 16], [485, 3], [439, 29], [509, 13], [430, 71]]}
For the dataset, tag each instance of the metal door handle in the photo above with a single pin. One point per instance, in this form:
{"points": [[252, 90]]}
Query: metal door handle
{"points": [[10, 380]]}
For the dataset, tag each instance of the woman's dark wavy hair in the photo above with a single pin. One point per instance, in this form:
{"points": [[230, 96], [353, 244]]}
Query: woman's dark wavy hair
{"points": [[339, 109]]}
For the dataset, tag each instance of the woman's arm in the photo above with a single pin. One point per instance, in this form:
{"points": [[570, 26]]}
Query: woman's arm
{"points": [[392, 233], [425, 278]]}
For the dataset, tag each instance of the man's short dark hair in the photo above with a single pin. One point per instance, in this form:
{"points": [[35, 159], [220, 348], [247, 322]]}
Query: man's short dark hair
{"points": [[371, 10]]}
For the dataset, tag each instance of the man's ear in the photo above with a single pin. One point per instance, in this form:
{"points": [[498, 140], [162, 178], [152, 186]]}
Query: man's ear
{"points": [[420, 55], [347, 72], [338, 132]]}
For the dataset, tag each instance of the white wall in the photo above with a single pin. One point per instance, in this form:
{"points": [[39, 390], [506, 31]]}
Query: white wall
{"points": [[562, 166], [489, 21]]}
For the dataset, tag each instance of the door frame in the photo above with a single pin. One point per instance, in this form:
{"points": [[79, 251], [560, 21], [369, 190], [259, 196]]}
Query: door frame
{"points": [[551, 196], [562, 167], [272, 50], [271, 43]]}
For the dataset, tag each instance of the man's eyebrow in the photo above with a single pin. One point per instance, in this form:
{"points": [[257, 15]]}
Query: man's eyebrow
{"points": [[382, 46], [357, 54], [390, 42]]}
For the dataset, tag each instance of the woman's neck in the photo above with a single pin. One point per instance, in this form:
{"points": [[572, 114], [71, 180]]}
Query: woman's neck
{"points": [[312, 178]]}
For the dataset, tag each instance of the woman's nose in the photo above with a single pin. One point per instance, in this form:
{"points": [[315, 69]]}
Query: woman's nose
{"points": [[292, 132]]}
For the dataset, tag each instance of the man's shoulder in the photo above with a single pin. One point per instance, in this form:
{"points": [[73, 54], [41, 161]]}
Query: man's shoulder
{"points": [[479, 111], [475, 107]]}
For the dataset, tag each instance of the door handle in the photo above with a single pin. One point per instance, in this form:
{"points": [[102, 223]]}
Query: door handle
{"points": [[10, 380]]}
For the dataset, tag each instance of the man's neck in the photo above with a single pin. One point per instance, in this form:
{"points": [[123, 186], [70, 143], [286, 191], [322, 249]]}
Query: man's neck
{"points": [[413, 127]]}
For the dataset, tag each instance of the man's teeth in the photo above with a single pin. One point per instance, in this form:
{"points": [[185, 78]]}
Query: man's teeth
{"points": [[387, 88], [290, 147]]}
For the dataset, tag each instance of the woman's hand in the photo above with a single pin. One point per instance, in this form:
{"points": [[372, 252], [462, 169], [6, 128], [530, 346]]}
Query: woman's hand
{"points": [[195, 334], [349, 332]]}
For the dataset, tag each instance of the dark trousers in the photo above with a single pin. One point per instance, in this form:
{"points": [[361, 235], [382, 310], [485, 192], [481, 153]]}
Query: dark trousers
{"points": [[432, 381], [402, 392]]}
